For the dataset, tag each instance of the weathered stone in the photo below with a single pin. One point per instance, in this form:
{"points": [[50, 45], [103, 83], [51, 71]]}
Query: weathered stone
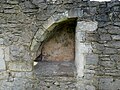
{"points": [[29, 4], [105, 83], [93, 10], [115, 57], [22, 74], [49, 22], [38, 1], [105, 37], [27, 56], [116, 84], [107, 63], [109, 51], [15, 50], [88, 71], [39, 33], [12, 1], [80, 36], [2, 59], [116, 37], [30, 11], [35, 45], [1, 41], [20, 66], [89, 76], [102, 30], [102, 24], [67, 1], [98, 46], [76, 12], [10, 11], [92, 37], [109, 84], [115, 44], [83, 48], [89, 87], [25, 25], [113, 29], [2, 21], [105, 59], [86, 26], [7, 54], [117, 24], [91, 59], [3, 75]]}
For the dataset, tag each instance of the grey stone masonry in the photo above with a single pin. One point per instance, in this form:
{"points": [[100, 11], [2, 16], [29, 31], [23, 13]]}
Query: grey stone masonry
{"points": [[25, 25]]}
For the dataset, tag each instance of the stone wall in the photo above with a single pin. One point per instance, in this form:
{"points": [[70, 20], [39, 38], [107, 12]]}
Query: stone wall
{"points": [[26, 24]]}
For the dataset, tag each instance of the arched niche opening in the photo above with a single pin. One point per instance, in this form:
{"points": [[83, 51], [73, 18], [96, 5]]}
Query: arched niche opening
{"points": [[56, 54]]}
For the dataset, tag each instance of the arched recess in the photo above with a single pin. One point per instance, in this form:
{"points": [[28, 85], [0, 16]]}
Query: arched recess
{"points": [[48, 28]]}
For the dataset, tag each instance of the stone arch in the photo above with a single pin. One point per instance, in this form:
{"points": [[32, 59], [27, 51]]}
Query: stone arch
{"points": [[47, 28]]}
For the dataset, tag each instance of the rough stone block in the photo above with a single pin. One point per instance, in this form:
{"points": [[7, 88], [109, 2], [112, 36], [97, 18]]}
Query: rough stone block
{"points": [[91, 59], [38, 2], [17, 50], [116, 37], [107, 64], [79, 63], [88, 71], [76, 12], [114, 44], [117, 24], [83, 48], [28, 4], [116, 84], [35, 45], [102, 30], [49, 22], [80, 36], [109, 83], [86, 26], [115, 57], [7, 54], [12, 2], [2, 59], [89, 76], [105, 83], [98, 46], [39, 33], [22, 74], [20, 66], [3, 75], [113, 29], [109, 51], [10, 11], [105, 37], [1, 41], [90, 87], [92, 37]]}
